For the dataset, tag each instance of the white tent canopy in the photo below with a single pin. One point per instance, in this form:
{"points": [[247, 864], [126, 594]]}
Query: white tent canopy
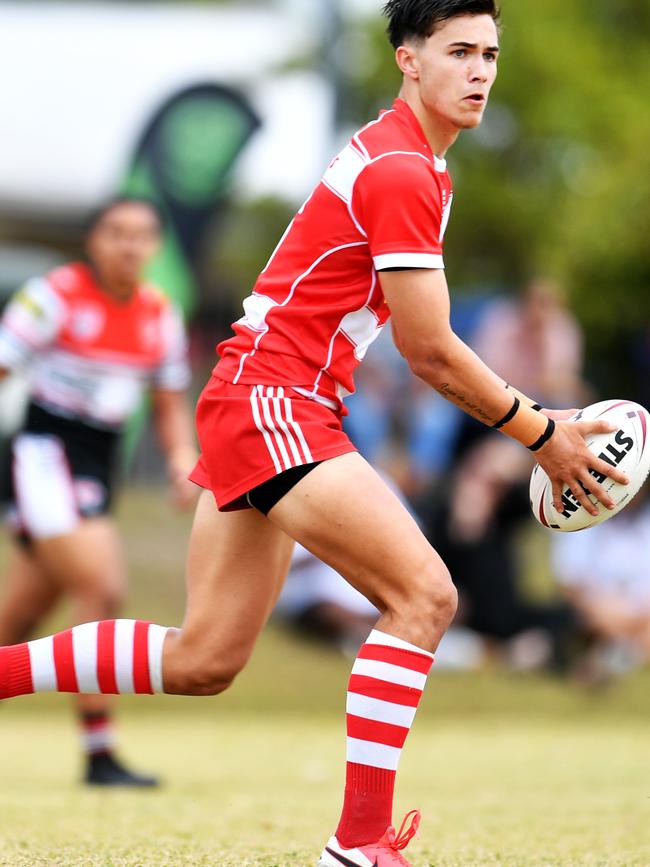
{"points": [[80, 80]]}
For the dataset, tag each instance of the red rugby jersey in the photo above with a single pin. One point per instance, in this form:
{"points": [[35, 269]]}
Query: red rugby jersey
{"points": [[384, 202]]}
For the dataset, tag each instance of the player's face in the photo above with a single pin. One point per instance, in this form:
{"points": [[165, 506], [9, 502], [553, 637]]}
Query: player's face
{"points": [[122, 243], [456, 68]]}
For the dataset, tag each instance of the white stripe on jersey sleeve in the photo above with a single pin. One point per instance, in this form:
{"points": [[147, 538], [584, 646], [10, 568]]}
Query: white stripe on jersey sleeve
{"points": [[408, 260], [342, 173], [29, 323]]}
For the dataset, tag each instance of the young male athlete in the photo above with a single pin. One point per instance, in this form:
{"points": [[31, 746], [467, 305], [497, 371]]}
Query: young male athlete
{"points": [[368, 242], [93, 337]]}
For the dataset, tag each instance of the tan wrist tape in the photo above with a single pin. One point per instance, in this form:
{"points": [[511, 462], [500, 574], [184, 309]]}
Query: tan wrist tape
{"points": [[523, 399], [526, 426]]}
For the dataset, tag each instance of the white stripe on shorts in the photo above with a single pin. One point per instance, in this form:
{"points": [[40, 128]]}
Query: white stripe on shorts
{"points": [[44, 493], [279, 401], [270, 426], [284, 438], [258, 423], [298, 430]]}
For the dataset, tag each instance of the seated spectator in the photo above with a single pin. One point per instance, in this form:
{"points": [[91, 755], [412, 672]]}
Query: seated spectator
{"points": [[604, 572], [474, 528]]}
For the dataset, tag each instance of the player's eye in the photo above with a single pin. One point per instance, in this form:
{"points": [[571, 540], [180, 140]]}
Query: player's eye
{"points": [[459, 52], [490, 56]]}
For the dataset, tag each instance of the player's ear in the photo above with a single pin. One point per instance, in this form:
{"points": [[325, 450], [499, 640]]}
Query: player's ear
{"points": [[406, 58]]}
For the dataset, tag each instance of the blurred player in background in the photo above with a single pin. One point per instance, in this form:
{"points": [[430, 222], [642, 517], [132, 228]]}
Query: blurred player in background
{"points": [[93, 337], [276, 463]]}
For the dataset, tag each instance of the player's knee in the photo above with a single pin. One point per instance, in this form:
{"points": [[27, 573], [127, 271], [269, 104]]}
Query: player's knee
{"points": [[432, 597], [107, 596]]}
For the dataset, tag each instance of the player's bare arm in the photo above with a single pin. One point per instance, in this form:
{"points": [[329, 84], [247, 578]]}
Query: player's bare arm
{"points": [[419, 304]]}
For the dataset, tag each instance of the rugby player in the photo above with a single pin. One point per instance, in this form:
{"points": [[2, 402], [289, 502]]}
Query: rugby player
{"points": [[94, 336], [275, 462]]}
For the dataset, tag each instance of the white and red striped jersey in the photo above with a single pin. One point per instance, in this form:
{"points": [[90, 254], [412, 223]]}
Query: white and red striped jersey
{"points": [[383, 203], [91, 356]]}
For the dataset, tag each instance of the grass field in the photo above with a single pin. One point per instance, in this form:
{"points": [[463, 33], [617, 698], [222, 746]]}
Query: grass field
{"points": [[509, 770]]}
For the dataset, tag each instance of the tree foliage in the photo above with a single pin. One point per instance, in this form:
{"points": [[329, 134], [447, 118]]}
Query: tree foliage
{"points": [[557, 180]]}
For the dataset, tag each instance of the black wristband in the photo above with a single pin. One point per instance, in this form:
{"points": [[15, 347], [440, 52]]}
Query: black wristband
{"points": [[545, 437], [512, 412], [536, 407]]}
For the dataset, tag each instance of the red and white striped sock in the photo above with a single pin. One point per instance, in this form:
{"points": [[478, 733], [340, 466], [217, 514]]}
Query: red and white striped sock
{"points": [[111, 657], [385, 687]]}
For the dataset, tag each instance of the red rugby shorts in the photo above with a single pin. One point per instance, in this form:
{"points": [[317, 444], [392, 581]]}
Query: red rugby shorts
{"points": [[250, 433]]}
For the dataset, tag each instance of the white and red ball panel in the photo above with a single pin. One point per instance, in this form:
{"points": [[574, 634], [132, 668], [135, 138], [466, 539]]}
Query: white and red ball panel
{"points": [[627, 447]]}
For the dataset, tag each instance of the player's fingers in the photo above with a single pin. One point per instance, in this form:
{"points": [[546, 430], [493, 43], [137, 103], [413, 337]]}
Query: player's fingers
{"points": [[596, 489], [557, 488], [605, 469], [582, 496], [591, 427]]}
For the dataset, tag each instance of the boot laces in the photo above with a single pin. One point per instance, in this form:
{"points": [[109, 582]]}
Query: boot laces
{"points": [[399, 840]]}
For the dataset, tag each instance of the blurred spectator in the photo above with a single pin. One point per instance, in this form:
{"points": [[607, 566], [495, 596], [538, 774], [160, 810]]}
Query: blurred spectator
{"points": [[535, 343], [604, 571], [319, 603], [93, 337], [398, 423], [475, 530]]}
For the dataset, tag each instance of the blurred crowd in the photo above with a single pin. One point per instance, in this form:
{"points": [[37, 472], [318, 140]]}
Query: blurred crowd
{"points": [[578, 604]]}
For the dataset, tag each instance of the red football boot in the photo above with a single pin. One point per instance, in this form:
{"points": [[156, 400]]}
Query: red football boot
{"points": [[384, 853]]}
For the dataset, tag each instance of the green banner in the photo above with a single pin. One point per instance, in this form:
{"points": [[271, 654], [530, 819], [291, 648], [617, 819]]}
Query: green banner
{"points": [[183, 162]]}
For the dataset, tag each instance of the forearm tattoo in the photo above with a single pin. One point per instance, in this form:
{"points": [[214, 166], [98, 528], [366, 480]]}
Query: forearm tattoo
{"points": [[461, 400]]}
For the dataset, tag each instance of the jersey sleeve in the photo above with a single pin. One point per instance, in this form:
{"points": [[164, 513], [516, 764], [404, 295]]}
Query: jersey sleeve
{"points": [[173, 372], [30, 323], [399, 206]]}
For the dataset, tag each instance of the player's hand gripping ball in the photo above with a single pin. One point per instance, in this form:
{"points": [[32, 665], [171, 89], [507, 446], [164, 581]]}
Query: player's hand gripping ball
{"points": [[627, 447]]}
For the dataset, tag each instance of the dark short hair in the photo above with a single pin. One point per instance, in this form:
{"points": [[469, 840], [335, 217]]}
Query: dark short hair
{"points": [[98, 214], [409, 19]]}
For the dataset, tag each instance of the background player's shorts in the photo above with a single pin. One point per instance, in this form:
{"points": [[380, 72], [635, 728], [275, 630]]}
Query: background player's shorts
{"points": [[250, 433], [61, 471]]}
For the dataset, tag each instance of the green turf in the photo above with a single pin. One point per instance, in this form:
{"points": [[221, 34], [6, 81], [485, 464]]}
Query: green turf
{"points": [[508, 770], [263, 789]]}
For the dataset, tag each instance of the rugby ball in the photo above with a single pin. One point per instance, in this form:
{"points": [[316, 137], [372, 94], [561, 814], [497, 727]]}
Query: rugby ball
{"points": [[627, 447]]}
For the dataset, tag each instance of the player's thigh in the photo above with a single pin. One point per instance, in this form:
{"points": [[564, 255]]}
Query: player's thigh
{"points": [[28, 596], [346, 515], [236, 565], [88, 560]]}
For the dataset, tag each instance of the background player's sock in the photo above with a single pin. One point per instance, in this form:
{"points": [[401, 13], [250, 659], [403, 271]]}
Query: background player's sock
{"points": [[385, 687], [111, 657], [97, 732]]}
